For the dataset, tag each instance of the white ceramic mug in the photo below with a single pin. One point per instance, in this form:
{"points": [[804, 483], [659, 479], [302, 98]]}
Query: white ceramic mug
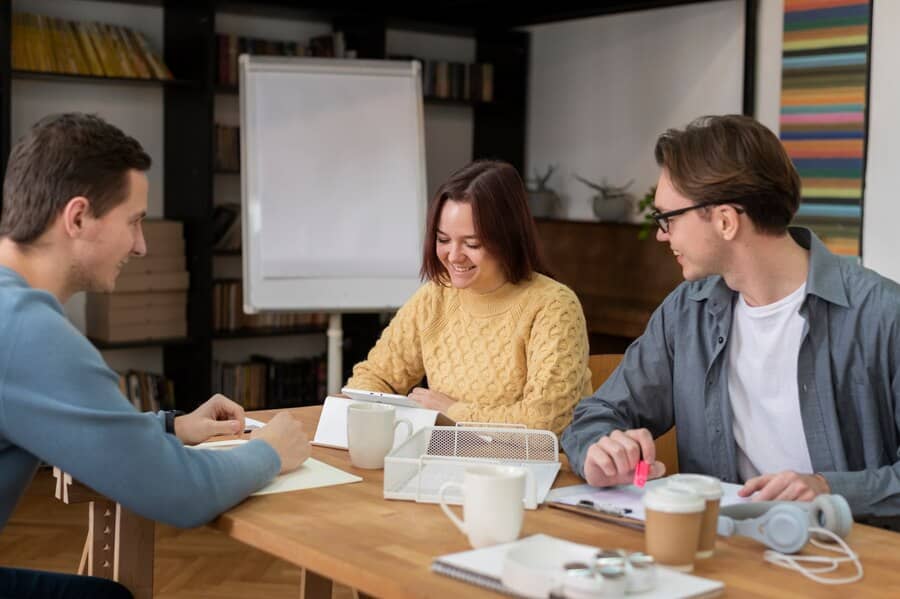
{"points": [[492, 503], [370, 433]]}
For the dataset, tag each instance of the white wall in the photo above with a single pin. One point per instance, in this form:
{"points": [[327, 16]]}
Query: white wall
{"points": [[448, 128], [601, 90], [881, 247], [769, 40]]}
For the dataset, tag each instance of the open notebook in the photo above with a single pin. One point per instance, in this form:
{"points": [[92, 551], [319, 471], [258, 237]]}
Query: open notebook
{"points": [[485, 567]]}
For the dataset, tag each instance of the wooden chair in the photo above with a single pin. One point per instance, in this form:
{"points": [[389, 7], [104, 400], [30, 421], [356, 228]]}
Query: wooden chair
{"points": [[119, 543], [602, 366]]}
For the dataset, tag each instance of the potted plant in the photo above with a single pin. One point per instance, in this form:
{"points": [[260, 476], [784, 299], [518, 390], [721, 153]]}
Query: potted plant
{"points": [[611, 203], [543, 201], [645, 207]]}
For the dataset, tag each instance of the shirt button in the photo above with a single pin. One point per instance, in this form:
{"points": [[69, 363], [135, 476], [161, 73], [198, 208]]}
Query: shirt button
{"points": [[804, 387], [721, 339]]}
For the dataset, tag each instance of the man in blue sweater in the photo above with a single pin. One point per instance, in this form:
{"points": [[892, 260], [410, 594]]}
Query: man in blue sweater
{"points": [[74, 196]]}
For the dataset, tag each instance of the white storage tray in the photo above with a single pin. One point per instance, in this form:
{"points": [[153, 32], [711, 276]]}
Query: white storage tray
{"points": [[416, 469]]}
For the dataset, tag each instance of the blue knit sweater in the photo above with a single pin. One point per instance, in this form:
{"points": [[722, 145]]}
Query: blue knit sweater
{"points": [[60, 403]]}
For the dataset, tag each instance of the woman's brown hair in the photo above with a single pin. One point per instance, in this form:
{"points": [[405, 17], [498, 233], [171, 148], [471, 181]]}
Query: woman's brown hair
{"points": [[503, 222]]}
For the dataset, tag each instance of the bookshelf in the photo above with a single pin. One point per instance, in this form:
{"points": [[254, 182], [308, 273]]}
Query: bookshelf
{"points": [[188, 135], [96, 79]]}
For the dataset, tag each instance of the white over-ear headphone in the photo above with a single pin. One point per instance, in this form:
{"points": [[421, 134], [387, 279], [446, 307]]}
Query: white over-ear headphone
{"points": [[786, 527]]}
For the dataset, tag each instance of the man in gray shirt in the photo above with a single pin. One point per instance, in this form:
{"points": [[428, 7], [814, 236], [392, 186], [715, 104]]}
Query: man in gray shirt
{"points": [[777, 362], [74, 195]]}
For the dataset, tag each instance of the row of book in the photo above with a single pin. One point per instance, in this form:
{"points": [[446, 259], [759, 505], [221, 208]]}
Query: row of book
{"points": [[227, 227], [228, 312], [148, 392], [227, 156], [458, 81], [53, 45], [230, 47], [267, 383]]}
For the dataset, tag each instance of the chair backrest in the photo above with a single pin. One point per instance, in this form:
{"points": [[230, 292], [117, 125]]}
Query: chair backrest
{"points": [[602, 366]]}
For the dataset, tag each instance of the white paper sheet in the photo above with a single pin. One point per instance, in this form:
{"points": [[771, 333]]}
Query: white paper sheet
{"points": [[252, 424], [332, 429], [310, 475], [626, 497]]}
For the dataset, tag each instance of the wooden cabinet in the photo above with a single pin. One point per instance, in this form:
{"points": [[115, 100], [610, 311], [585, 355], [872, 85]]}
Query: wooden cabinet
{"points": [[619, 278]]}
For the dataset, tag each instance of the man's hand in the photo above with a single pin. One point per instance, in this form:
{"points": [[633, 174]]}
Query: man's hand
{"points": [[287, 438], [432, 399], [612, 460], [785, 486], [217, 416]]}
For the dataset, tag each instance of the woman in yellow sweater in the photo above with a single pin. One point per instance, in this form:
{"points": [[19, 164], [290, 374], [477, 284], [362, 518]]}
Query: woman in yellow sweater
{"points": [[498, 340]]}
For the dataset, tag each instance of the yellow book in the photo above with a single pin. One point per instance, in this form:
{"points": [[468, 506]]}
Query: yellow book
{"points": [[43, 38], [19, 58], [95, 67], [157, 66], [60, 58], [29, 51], [67, 55], [133, 52], [98, 37], [35, 43], [74, 46], [119, 52]]}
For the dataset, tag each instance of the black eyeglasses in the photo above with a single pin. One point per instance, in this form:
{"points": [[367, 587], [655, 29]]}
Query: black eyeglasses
{"points": [[662, 218]]}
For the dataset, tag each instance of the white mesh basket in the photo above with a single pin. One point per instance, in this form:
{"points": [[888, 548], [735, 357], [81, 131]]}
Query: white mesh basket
{"points": [[416, 469]]}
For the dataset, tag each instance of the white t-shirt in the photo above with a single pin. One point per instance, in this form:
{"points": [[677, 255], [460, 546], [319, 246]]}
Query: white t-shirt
{"points": [[762, 385]]}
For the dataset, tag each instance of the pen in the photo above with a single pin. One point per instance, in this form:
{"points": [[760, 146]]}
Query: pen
{"points": [[605, 508]]}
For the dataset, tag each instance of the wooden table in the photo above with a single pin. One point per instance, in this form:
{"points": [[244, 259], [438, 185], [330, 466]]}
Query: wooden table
{"points": [[350, 534]]}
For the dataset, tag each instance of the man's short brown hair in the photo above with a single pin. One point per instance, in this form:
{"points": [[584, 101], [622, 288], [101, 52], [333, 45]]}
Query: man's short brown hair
{"points": [[501, 217], [61, 157], [733, 158]]}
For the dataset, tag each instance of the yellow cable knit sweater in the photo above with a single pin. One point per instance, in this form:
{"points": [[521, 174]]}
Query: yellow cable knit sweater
{"points": [[516, 355]]}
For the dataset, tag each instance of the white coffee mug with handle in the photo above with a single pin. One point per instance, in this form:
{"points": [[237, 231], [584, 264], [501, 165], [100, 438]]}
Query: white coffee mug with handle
{"points": [[370, 433], [493, 503]]}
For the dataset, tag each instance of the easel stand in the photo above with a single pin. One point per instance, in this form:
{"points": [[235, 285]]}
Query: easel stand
{"points": [[335, 353]]}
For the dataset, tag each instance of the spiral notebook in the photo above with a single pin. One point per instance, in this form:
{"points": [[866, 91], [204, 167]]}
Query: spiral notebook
{"points": [[484, 567]]}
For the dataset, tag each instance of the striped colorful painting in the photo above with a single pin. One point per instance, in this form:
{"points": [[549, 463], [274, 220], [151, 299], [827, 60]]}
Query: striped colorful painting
{"points": [[823, 104]]}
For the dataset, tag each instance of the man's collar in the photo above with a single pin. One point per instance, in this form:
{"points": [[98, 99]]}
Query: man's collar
{"points": [[824, 277]]}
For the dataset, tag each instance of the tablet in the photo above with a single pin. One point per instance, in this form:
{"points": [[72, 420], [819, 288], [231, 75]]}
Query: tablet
{"points": [[376, 396]]}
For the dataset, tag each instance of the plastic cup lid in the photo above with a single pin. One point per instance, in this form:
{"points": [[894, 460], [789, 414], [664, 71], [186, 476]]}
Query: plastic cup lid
{"points": [[707, 487], [673, 499]]}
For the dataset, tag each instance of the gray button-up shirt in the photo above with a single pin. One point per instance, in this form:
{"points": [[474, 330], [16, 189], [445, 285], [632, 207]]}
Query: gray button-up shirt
{"points": [[848, 379]]}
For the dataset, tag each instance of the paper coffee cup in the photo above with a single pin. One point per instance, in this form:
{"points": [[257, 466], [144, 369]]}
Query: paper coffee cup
{"points": [[710, 489], [672, 528]]}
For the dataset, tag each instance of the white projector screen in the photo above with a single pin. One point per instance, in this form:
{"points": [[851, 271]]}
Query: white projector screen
{"points": [[333, 187]]}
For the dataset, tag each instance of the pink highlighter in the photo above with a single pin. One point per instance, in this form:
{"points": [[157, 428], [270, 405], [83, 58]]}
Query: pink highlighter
{"points": [[641, 472]]}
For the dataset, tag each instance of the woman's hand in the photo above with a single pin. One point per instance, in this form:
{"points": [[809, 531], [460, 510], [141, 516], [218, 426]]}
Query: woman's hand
{"points": [[432, 399]]}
